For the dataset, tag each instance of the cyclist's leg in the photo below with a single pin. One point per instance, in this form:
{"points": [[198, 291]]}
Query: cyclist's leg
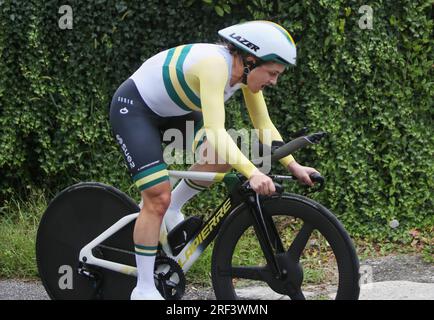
{"points": [[191, 127], [194, 137], [136, 130], [186, 189], [156, 200], [208, 161]]}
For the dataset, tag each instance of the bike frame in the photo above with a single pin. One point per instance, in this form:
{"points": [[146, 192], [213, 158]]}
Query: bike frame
{"points": [[192, 250]]}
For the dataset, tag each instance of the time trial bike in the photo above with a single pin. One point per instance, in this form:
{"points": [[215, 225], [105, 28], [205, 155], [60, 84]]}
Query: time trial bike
{"points": [[287, 242]]}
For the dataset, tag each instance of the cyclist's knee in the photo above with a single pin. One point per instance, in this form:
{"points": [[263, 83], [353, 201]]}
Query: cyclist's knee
{"points": [[215, 167], [222, 167], [156, 199]]}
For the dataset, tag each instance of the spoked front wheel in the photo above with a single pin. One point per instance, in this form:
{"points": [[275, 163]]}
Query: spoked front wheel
{"points": [[314, 253]]}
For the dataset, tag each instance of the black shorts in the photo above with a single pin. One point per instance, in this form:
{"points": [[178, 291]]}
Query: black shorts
{"points": [[139, 133]]}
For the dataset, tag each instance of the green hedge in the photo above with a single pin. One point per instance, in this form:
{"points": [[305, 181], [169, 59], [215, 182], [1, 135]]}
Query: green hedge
{"points": [[370, 89]]}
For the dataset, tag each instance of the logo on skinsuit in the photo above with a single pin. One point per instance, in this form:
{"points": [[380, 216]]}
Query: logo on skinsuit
{"points": [[126, 100], [126, 152]]}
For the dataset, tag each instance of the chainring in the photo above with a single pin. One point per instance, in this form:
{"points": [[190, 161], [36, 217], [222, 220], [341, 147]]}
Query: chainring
{"points": [[169, 278]]}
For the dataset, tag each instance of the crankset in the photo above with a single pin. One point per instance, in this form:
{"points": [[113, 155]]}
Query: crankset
{"points": [[93, 275], [169, 278]]}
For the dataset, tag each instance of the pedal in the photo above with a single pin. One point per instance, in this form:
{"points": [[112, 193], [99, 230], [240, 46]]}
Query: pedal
{"points": [[183, 233]]}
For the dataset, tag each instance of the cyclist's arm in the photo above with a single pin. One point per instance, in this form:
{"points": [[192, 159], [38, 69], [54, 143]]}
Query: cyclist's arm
{"points": [[261, 120], [213, 76]]}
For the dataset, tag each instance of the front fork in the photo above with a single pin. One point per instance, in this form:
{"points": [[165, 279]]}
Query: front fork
{"points": [[267, 234]]}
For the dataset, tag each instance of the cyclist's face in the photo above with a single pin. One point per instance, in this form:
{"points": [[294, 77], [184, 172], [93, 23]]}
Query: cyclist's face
{"points": [[264, 75]]}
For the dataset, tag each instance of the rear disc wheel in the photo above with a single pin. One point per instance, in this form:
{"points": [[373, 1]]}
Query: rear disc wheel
{"points": [[76, 216]]}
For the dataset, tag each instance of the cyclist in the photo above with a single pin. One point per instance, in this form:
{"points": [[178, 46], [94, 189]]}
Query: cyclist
{"points": [[192, 83]]}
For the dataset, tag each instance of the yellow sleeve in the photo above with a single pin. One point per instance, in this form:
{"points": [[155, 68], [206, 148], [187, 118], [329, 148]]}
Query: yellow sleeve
{"points": [[261, 119], [213, 76]]}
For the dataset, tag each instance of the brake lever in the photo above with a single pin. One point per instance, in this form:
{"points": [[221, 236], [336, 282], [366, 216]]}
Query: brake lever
{"points": [[316, 178]]}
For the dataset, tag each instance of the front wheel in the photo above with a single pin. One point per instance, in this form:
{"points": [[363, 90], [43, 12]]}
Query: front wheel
{"points": [[317, 257]]}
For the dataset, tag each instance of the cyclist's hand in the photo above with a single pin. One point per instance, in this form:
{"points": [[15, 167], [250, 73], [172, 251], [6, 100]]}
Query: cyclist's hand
{"points": [[302, 173], [261, 183]]}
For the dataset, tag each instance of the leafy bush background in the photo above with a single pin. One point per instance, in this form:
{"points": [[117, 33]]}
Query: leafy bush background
{"points": [[372, 90]]}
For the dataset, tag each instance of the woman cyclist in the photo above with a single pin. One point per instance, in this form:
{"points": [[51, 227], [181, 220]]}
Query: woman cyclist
{"points": [[192, 83]]}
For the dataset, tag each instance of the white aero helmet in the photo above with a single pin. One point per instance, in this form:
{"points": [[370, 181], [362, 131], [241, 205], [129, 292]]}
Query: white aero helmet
{"points": [[265, 40]]}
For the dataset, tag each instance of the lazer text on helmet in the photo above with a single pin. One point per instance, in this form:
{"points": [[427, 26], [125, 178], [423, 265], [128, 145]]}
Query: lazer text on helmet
{"points": [[244, 41]]}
